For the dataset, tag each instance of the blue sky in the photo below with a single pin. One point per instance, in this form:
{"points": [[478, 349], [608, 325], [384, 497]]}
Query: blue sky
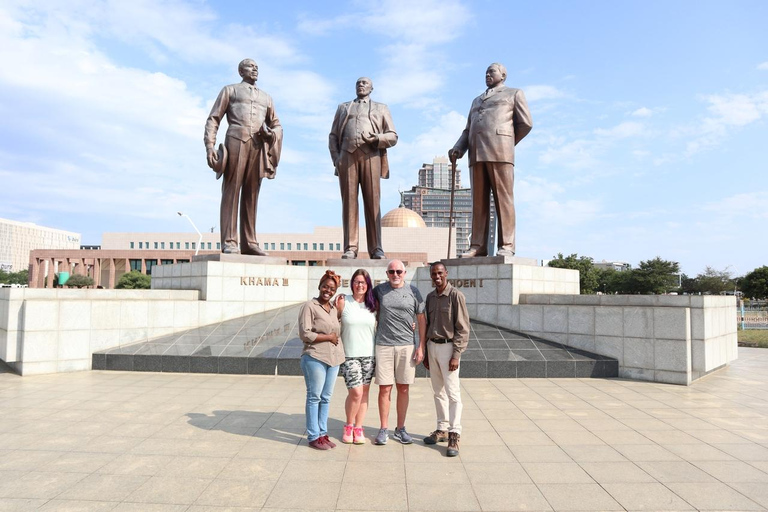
{"points": [[649, 117]]}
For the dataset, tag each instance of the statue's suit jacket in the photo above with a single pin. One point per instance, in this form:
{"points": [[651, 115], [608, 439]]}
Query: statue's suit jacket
{"points": [[380, 118], [496, 123]]}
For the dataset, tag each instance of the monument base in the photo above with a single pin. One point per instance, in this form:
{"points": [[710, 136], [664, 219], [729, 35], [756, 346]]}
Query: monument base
{"points": [[357, 262], [241, 258], [491, 260]]}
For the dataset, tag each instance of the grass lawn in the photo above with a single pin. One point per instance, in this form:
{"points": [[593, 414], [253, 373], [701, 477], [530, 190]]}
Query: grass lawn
{"points": [[758, 336]]}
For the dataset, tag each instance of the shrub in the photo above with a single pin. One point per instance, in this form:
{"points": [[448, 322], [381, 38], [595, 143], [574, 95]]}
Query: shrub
{"points": [[134, 280]]}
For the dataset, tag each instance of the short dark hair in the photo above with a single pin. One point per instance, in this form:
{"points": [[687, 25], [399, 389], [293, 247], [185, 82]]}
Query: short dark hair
{"points": [[438, 264]]}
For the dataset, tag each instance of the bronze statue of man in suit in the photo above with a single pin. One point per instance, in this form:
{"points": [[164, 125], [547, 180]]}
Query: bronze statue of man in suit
{"points": [[497, 121], [251, 151], [361, 133]]}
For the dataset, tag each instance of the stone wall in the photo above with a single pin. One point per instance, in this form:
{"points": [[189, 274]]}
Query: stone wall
{"points": [[662, 338], [57, 330]]}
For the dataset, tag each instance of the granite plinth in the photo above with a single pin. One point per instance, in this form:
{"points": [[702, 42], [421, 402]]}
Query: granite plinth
{"points": [[268, 344], [491, 260], [357, 262], [241, 258]]}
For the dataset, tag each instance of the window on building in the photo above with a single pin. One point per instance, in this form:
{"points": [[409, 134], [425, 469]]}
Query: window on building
{"points": [[132, 245], [322, 246], [338, 247], [150, 264], [314, 246], [193, 244], [166, 262], [306, 246], [162, 245], [298, 247], [289, 246], [186, 245], [178, 245], [170, 245], [282, 246], [146, 244], [155, 245], [218, 246], [136, 264]]}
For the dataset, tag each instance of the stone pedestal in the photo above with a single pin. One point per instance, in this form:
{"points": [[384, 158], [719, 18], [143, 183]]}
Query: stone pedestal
{"points": [[357, 263], [234, 285]]}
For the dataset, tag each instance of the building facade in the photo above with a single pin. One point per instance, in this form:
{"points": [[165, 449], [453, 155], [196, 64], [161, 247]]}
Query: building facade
{"points": [[17, 239], [413, 243]]}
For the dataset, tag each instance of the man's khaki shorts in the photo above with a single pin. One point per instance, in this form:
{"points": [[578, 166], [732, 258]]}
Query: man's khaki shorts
{"points": [[394, 364]]}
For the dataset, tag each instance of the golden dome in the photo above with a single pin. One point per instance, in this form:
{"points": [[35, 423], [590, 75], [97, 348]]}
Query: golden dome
{"points": [[402, 217]]}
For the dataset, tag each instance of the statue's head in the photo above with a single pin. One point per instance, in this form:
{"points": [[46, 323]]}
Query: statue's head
{"points": [[249, 70], [495, 74], [363, 87]]}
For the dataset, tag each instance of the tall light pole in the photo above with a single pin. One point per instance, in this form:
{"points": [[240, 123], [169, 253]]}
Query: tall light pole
{"points": [[200, 241]]}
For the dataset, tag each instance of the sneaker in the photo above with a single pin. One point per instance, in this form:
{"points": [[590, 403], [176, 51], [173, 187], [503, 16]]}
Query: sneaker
{"points": [[359, 435], [327, 441], [402, 436], [318, 444], [382, 437], [347, 437], [438, 436], [453, 444]]}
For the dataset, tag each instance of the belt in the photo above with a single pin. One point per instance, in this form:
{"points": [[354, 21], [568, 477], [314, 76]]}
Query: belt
{"points": [[439, 341]]}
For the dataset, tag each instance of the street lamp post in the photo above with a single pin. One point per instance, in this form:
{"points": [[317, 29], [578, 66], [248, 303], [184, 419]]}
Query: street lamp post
{"points": [[200, 241]]}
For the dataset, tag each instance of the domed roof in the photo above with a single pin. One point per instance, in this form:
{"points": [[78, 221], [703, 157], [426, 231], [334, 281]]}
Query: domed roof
{"points": [[402, 217]]}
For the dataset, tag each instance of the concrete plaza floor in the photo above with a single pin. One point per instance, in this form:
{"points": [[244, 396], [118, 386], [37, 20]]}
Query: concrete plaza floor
{"points": [[126, 441]]}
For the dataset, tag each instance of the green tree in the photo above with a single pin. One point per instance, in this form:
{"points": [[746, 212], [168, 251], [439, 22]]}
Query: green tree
{"points": [[20, 277], [621, 281], [134, 280], [79, 281], [656, 276], [713, 281], [755, 283], [589, 275]]}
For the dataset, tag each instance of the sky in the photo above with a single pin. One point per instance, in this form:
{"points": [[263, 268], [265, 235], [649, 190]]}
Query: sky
{"points": [[650, 118]]}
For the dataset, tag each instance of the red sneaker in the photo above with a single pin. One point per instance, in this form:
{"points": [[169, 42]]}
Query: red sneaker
{"points": [[327, 441], [319, 444]]}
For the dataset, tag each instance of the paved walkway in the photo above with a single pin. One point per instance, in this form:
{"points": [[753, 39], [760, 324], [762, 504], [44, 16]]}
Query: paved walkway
{"points": [[180, 442]]}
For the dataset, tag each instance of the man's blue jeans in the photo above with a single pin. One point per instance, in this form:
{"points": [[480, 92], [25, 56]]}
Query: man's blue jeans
{"points": [[320, 379]]}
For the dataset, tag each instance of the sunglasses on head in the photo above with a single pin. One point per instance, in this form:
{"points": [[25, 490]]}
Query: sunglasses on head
{"points": [[393, 272]]}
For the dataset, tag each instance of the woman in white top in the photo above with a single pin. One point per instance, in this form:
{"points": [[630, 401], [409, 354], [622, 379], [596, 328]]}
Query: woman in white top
{"points": [[357, 313]]}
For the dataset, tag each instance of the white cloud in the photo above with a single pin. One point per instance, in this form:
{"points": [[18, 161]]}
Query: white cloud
{"points": [[738, 109], [127, 141], [534, 93], [622, 130], [746, 205], [413, 33], [642, 112], [577, 154], [763, 66]]}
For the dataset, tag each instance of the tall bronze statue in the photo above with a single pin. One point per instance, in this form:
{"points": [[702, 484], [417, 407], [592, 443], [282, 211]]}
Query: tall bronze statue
{"points": [[497, 121], [361, 133], [251, 151]]}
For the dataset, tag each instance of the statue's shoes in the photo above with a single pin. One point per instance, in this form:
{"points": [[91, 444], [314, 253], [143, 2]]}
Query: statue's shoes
{"points": [[505, 252], [378, 255], [474, 253], [254, 250], [228, 249], [349, 255]]}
